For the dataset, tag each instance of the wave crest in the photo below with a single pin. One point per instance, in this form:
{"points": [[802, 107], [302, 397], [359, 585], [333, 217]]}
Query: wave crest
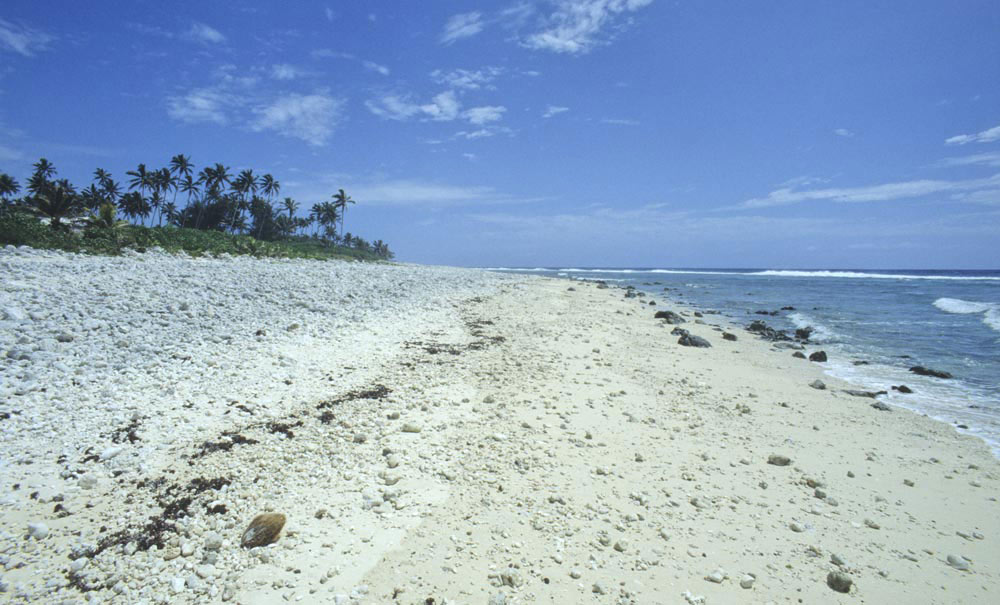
{"points": [[990, 311]]}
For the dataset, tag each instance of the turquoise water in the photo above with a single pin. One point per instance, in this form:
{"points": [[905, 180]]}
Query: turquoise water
{"points": [[893, 320]]}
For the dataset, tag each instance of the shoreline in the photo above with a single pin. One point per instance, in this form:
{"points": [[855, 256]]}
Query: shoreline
{"points": [[549, 444]]}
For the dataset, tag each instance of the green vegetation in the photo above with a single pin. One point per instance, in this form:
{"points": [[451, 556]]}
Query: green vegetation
{"points": [[222, 214]]}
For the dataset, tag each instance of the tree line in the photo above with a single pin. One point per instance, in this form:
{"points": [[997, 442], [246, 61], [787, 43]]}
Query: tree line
{"points": [[213, 199]]}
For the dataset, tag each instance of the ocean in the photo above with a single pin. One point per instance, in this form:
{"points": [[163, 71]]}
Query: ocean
{"points": [[889, 320]]}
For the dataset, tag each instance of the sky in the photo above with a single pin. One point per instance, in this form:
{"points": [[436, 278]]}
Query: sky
{"points": [[597, 133]]}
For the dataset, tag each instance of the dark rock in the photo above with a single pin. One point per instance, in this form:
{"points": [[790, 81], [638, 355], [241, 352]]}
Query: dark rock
{"points": [[669, 316], [679, 332], [571, 289], [690, 340], [263, 530], [764, 331], [859, 362], [728, 336], [787, 308], [629, 293], [869, 394], [804, 333], [652, 303], [779, 460], [902, 388], [819, 385], [799, 354], [839, 581], [878, 405], [922, 371], [771, 313], [697, 314], [818, 356]]}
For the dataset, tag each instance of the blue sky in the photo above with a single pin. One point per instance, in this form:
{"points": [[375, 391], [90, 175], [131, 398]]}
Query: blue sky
{"points": [[558, 132]]}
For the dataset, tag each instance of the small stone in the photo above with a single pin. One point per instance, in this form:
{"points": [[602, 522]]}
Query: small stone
{"points": [[839, 581], [718, 576], [410, 427], [819, 494], [796, 527], [263, 530], [747, 581], [621, 545], [575, 574], [818, 356], [959, 563], [177, 585], [819, 385], [779, 460], [187, 549], [111, 452], [87, 482], [871, 524], [38, 530], [360, 438], [837, 560], [908, 483], [65, 337], [598, 588], [213, 541]]}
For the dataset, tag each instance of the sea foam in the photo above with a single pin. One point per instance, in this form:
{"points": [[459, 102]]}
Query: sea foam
{"points": [[990, 311], [820, 333]]}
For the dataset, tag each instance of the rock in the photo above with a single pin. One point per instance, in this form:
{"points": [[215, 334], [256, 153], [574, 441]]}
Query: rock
{"points": [[38, 530], [922, 371], [839, 581], [392, 461], [64, 337], [902, 389], [838, 560], [598, 588], [499, 598], [111, 452], [177, 585], [263, 530], [819, 385], [187, 549], [959, 563], [359, 438], [779, 460], [575, 574], [728, 336], [804, 333], [796, 527], [818, 356], [799, 355], [411, 427], [690, 340], [669, 317], [679, 332], [908, 482], [621, 545], [718, 576], [859, 393], [213, 541], [87, 482], [882, 407], [747, 581], [767, 333]]}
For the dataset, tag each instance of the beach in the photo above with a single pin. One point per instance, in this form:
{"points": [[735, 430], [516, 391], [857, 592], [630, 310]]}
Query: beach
{"points": [[440, 435]]}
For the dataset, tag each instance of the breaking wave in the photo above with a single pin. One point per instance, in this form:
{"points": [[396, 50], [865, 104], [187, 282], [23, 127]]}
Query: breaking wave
{"points": [[990, 311]]}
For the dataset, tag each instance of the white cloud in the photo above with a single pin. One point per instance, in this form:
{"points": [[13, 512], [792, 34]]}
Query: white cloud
{"points": [[843, 132], [986, 136], [464, 79], [576, 25], [988, 197], [484, 115], [620, 122], [413, 192], [311, 118], [373, 66], [22, 39], [200, 105], [873, 193], [554, 110], [979, 159], [443, 107], [9, 154], [205, 33], [329, 14], [482, 133], [284, 71], [463, 25], [469, 156]]}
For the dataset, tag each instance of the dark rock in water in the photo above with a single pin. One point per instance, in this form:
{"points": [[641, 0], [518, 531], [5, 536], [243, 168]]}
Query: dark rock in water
{"points": [[922, 371], [819, 356], [771, 313], [878, 405], [629, 293], [839, 581], [764, 331], [697, 314], [804, 333], [679, 332], [869, 394], [690, 340], [799, 354], [669, 316], [787, 308], [652, 303], [962, 426], [902, 388], [728, 336], [859, 362]]}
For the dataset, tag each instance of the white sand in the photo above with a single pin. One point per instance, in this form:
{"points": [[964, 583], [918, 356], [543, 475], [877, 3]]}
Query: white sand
{"points": [[584, 443]]}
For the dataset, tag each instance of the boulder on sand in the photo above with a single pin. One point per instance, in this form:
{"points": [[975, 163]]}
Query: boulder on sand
{"points": [[669, 316], [690, 340], [819, 356]]}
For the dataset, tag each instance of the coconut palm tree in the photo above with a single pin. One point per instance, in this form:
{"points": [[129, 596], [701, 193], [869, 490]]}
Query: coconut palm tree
{"points": [[92, 197], [42, 176], [134, 206], [112, 191], [56, 201], [341, 200], [141, 179], [9, 187], [269, 187], [290, 206], [180, 165]]}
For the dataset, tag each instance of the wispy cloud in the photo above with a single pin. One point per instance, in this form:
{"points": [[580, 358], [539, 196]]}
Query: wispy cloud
{"points": [[554, 110], [201, 105], [577, 26], [311, 118], [9, 154], [443, 107], [326, 53], [373, 66], [205, 33], [22, 39], [980, 159], [482, 133], [620, 122], [463, 25], [843, 132], [464, 79], [873, 193], [987, 136], [284, 71], [422, 193], [330, 15]]}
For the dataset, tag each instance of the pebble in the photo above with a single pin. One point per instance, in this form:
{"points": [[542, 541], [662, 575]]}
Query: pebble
{"points": [[38, 530], [747, 581], [575, 573], [187, 549], [779, 460], [263, 530], [598, 588], [818, 385], [213, 541], [718, 576], [411, 427], [796, 527], [839, 581], [959, 563], [111, 452]]}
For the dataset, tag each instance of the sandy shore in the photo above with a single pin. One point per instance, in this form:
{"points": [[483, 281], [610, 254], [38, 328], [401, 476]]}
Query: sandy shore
{"points": [[490, 439]]}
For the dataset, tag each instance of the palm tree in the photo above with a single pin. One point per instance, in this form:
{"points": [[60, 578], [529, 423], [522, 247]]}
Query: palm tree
{"points": [[92, 197], [8, 187], [101, 177], [134, 206], [244, 185], [341, 200], [181, 165], [140, 179], [111, 190], [269, 187], [41, 178], [291, 206], [57, 201]]}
